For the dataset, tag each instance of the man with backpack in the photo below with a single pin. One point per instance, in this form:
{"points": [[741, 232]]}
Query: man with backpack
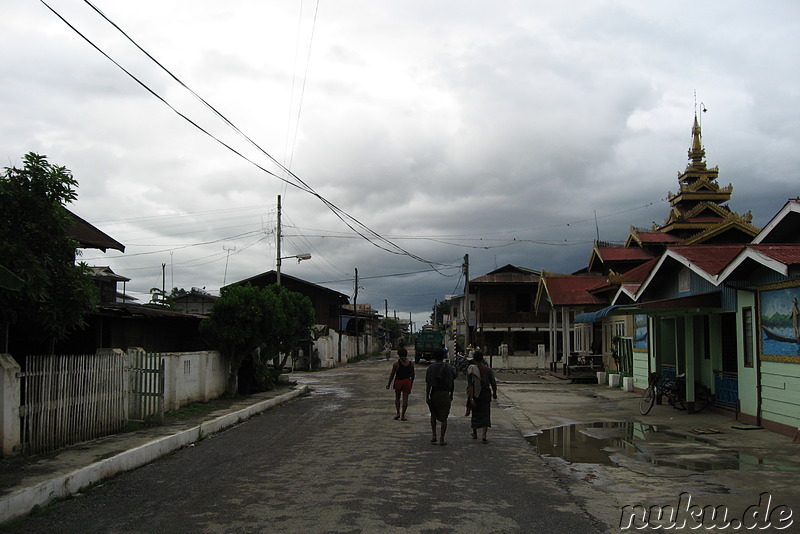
{"points": [[439, 393]]}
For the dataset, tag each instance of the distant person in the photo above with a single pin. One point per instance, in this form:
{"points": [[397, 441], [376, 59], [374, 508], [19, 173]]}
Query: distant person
{"points": [[481, 389], [403, 375], [439, 393]]}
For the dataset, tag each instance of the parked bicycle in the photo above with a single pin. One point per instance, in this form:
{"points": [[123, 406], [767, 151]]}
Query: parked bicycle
{"points": [[674, 389]]}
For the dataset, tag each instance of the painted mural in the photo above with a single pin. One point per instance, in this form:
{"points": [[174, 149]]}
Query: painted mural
{"points": [[780, 323], [640, 333]]}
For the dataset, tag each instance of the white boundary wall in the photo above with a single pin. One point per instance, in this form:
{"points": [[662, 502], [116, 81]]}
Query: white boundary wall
{"points": [[328, 348], [193, 377]]}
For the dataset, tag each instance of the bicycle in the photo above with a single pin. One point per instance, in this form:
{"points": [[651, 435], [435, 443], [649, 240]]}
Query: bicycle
{"points": [[674, 389]]}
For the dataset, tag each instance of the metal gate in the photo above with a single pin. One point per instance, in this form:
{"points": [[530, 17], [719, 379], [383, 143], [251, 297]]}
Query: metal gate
{"points": [[146, 386]]}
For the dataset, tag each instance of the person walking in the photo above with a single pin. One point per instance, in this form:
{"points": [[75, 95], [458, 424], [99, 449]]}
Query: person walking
{"points": [[403, 376], [439, 393], [481, 389]]}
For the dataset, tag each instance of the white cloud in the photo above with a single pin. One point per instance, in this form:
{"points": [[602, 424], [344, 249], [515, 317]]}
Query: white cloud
{"points": [[493, 129]]}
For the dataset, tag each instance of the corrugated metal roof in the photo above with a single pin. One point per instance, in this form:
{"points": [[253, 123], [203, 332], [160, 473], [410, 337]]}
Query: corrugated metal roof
{"points": [[591, 317], [640, 272], [506, 278], [786, 254], [710, 258], [573, 290], [611, 254], [88, 236], [508, 274]]}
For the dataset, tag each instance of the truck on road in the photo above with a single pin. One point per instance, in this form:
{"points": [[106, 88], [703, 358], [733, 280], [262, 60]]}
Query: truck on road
{"points": [[427, 341]]}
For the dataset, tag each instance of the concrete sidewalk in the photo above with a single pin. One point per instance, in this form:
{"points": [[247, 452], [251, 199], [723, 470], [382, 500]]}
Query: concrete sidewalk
{"points": [[595, 437], [26, 483]]}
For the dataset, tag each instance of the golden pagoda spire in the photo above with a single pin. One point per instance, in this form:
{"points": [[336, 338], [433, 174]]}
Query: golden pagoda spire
{"points": [[696, 152]]}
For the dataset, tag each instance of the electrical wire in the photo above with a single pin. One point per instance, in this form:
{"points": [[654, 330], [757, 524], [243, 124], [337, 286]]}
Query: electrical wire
{"points": [[366, 233]]}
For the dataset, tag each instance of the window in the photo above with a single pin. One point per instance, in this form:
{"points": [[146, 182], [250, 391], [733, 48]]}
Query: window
{"points": [[684, 281], [610, 331], [747, 336], [583, 337], [523, 302]]}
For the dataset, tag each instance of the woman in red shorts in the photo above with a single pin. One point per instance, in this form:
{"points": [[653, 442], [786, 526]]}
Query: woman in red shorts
{"points": [[403, 375]]}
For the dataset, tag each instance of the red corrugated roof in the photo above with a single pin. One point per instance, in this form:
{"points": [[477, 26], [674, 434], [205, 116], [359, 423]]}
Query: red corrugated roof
{"points": [[573, 290], [710, 258], [786, 254], [640, 272], [612, 254]]}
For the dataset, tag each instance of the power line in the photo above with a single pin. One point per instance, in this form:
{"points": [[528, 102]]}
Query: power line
{"points": [[371, 236]]}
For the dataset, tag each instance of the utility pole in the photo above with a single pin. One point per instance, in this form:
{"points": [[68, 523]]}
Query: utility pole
{"points": [[163, 283], [228, 250], [466, 299], [278, 245], [355, 309]]}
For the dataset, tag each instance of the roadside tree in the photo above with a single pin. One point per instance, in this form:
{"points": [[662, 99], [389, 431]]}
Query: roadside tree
{"points": [[55, 293], [293, 322], [263, 323], [238, 323]]}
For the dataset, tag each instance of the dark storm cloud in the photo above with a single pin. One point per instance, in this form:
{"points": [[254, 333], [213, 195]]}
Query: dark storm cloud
{"points": [[513, 133]]}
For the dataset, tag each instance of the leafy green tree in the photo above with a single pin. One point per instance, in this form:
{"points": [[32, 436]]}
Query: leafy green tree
{"points": [[293, 321], [238, 323], [267, 323], [55, 294]]}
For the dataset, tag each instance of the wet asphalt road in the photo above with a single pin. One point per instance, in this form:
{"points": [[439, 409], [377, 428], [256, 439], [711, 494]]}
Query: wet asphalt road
{"points": [[336, 461]]}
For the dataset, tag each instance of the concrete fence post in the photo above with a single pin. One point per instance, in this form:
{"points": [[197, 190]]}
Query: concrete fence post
{"points": [[9, 406]]}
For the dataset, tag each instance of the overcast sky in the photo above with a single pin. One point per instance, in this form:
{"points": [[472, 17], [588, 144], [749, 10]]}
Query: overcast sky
{"points": [[510, 131]]}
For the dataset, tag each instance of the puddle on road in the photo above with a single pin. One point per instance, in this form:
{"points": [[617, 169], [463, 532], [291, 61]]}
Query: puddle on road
{"points": [[613, 443]]}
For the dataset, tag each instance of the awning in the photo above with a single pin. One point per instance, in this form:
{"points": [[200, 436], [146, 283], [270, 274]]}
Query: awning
{"points": [[591, 317]]}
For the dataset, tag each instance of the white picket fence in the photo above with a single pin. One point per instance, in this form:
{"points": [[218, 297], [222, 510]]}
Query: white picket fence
{"points": [[69, 399], [55, 401]]}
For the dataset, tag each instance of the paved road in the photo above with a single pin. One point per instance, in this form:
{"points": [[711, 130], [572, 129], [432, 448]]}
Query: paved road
{"points": [[336, 461]]}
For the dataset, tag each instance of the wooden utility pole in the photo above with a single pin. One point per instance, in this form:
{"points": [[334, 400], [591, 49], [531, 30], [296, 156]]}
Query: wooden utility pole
{"points": [[278, 245], [466, 299], [355, 310]]}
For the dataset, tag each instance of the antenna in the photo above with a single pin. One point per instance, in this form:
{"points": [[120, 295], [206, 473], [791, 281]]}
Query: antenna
{"points": [[596, 226]]}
